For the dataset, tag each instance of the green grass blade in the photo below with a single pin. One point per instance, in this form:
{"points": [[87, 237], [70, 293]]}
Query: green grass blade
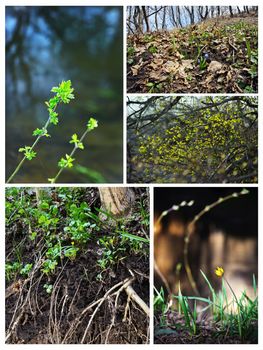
{"points": [[133, 237], [208, 283], [183, 305], [254, 285]]}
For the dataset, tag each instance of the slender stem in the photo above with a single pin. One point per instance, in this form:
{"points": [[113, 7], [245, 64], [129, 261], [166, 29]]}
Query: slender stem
{"points": [[234, 295], [190, 227], [32, 147], [71, 154]]}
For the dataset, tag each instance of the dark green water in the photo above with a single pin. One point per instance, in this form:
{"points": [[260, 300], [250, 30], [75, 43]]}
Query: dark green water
{"points": [[45, 45]]}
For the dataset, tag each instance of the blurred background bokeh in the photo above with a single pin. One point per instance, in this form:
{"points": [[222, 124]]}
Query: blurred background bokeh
{"points": [[45, 45], [226, 236]]}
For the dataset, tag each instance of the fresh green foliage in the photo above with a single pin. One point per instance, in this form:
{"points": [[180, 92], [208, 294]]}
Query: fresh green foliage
{"points": [[153, 49], [33, 235], [154, 87], [76, 141], [48, 288], [160, 305], [49, 266], [92, 124], [133, 237], [127, 243], [26, 269], [62, 226], [190, 317], [148, 38], [40, 132], [28, 152], [78, 227], [71, 252], [63, 94], [11, 269], [67, 162], [130, 54], [202, 63]]}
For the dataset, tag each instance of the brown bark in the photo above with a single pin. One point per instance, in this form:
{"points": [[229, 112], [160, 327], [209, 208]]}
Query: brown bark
{"points": [[117, 200]]}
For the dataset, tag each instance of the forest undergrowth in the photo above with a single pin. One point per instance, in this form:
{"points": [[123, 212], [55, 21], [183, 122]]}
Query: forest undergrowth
{"points": [[71, 276], [215, 56]]}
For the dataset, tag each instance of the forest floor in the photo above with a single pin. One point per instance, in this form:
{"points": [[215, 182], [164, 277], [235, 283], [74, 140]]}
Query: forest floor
{"points": [[214, 56], [84, 294]]}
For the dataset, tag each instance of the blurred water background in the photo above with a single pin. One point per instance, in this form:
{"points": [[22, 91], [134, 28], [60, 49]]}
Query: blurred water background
{"points": [[45, 45]]}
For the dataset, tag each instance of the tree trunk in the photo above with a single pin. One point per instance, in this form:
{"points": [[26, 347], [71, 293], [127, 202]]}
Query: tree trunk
{"points": [[145, 19], [179, 16], [231, 11], [156, 18], [117, 200]]}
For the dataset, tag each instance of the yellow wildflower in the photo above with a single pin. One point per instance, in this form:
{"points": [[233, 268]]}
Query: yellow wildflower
{"points": [[219, 271]]}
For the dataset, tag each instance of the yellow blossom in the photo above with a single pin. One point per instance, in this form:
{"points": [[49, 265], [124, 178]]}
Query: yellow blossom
{"points": [[219, 271]]}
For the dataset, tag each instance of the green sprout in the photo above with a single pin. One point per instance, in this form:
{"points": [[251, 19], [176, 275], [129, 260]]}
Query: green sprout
{"points": [[63, 94], [26, 270], [202, 63], [48, 288], [67, 162]]}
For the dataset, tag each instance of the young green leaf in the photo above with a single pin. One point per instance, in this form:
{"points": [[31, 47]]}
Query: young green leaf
{"points": [[92, 124], [40, 132], [76, 141], [28, 152], [64, 91], [53, 116], [66, 163]]}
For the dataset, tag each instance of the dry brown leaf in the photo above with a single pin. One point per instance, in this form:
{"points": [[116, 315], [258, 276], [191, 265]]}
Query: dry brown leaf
{"points": [[156, 76], [214, 67], [171, 67], [187, 64], [156, 63], [135, 69]]}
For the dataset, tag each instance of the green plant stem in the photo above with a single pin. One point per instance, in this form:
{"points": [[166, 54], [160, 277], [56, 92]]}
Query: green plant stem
{"points": [[234, 295], [71, 154], [238, 309], [32, 147]]}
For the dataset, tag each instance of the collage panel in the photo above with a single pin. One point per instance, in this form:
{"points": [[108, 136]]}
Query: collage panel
{"points": [[192, 49], [206, 265], [192, 139], [64, 78], [77, 265]]}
